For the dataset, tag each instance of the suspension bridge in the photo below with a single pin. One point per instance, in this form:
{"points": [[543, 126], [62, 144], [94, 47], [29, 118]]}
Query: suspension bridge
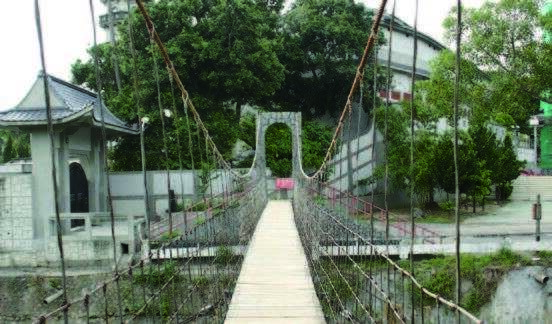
{"points": [[251, 258]]}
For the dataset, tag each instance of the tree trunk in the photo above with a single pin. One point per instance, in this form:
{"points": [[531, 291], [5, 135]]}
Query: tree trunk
{"points": [[238, 110], [483, 204], [474, 203]]}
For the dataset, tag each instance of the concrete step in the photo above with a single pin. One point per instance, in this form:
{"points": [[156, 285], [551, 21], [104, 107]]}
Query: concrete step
{"points": [[527, 188]]}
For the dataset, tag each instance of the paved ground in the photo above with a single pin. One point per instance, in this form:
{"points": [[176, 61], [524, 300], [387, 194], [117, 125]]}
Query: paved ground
{"points": [[512, 218], [510, 225], [275, 285]]}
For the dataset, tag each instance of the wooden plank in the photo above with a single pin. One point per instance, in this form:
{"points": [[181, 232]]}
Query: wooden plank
{"points": [[275, 285]]}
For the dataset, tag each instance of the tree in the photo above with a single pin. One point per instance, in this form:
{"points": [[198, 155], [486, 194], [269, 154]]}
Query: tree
{"points": [[323, 41], [487, 154], [502, 39], [229, 58], [23, 146], [9, 153], [435, 96], [398, 142], [508, 171], [279, 153]]}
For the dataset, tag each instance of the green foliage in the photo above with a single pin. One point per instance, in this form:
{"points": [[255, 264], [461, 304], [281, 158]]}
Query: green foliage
{"points": [[483, 160], [199, 207], [438, 275], [501, 38], [227, 60], [8, 152], [322, 40], [224, 255], [278, 150], [200, 220], [509, 169], [545, 258], [320, 200], [206, 176], [201, 282], [154, 276], [447, 206], [14, 145], [55, 283], [168, 237], [316, 139]]}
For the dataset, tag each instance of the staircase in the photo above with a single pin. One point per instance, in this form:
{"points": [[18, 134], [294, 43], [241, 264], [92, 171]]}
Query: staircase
{"points": [[527, 188]]}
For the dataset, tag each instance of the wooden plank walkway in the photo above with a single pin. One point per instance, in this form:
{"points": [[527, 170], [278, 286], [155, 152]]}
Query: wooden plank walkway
{"points": [[275, 285]]}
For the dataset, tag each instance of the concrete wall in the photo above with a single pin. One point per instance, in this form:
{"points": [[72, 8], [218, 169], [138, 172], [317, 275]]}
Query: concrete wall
{"points": [[16, 219], [127, 189]]}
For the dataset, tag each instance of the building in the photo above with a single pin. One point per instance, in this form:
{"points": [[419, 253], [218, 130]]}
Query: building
{"points": [[27, 209], [118, 10], [358, 136]]}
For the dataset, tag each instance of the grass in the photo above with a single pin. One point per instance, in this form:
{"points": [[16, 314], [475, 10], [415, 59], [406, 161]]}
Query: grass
{"points": [[545, 258], [168, 237], [438, 275], [442, 214]]}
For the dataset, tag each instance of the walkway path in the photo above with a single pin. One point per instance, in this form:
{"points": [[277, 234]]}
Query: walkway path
{"points": [[275, 285]]}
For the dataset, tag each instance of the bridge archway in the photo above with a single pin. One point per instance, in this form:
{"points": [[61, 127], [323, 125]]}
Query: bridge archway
{"points": [[293, 121], [279, 150]]}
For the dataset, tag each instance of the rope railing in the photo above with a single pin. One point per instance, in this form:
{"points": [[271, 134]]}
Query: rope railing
{"points": [[199, 246], [356, 84], [362, 207], [360, 299], [317, 224], [159, 261]]}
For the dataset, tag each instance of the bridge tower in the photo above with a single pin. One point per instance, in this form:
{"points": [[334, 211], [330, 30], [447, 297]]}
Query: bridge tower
{"points": [[264, 120]]}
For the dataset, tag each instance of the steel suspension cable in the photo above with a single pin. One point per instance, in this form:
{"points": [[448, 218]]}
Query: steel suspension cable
{"points": [[356, 170], [139, 114], [412, 178], [164, 132], [185, 95], [385, 139], [356, 83], [456, 172], [190, 142], [104, 157], [385, 127], [113, 42], [373, 156], [179, 149], [412, 135], [47, 102]]}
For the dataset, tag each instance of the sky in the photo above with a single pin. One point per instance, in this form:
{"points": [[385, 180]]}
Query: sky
{"points": [[67, 33]]}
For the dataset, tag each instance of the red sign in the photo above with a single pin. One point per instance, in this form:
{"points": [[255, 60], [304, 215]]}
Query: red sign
{"points": [[284, 183]]}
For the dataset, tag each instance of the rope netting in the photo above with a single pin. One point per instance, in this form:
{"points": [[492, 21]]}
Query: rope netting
{"points": [[350, 259], [192, 257]]}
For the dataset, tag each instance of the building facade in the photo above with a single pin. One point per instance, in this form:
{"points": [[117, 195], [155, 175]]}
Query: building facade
{"points": [[27, 213]]}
